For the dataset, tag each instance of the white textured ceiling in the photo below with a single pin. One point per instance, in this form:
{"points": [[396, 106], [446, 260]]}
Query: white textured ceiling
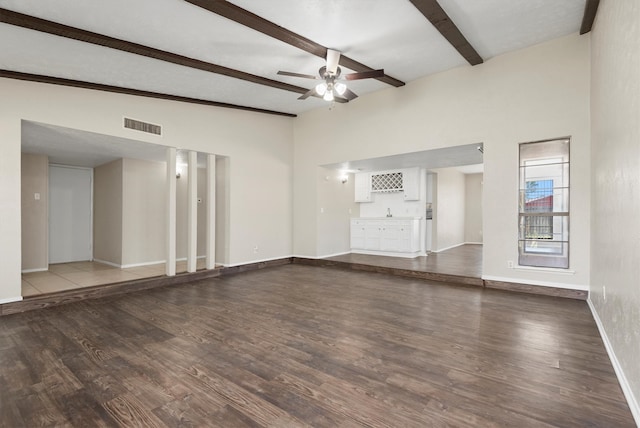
{"points": [[389, 34], [81, 148]]}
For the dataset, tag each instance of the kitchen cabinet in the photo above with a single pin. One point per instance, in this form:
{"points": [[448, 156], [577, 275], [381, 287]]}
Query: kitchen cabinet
{"points": [[411, 184], [363, 187], [386, 236]]}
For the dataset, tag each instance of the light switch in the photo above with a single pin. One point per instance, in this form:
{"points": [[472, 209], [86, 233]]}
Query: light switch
{"points": [[36, 196]]}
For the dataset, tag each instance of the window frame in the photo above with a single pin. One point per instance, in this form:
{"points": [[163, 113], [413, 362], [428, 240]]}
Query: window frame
{"points": [[548, 251]]}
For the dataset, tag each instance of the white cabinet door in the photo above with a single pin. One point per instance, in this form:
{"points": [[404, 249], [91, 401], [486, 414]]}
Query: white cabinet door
{"points": [[390, 239], [357, 233], [373, 232], [411, 184], [363, 187], [70, 227]]}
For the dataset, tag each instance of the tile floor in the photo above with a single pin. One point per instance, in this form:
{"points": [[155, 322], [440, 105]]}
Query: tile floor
{"points": [[66, 276]]}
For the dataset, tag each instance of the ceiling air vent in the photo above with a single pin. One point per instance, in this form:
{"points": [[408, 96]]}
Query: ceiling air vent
{"points": [[138, 125]]}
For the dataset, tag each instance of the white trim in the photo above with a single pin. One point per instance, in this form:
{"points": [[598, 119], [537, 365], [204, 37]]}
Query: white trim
{"points": [[448, 248], [622, 379], [544, 269], [10, 300], [535, 282], [257, 261], [328, 255], [104, 262], [320, 257], [185, 259], [35, 270], [387, 253], [472, 243], [132, 265]]}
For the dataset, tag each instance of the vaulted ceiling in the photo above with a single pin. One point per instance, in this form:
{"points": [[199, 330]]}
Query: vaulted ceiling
{"points": [[229, 52]]}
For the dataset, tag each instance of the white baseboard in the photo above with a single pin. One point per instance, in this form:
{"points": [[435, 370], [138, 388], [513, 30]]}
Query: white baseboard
{"points": [[10, 300], [35, 270], [448, 248], [472, 243], [132, 265], [535, 282], [321, 257], [104, 262], [624, 383], [257, 261], [387, 254]]}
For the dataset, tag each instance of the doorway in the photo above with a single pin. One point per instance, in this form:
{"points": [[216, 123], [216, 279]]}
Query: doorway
{"points": [[70, 214]]}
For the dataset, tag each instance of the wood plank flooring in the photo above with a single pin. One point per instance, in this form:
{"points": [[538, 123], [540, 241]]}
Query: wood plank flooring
{"points": [[464, 260], [305, 346]]}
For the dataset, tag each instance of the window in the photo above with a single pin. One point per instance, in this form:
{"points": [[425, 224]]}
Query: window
{"points": [[543, 238]]}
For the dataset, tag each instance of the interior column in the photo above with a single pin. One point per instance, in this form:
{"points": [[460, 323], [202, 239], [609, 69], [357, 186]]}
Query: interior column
{"points": [[211, 211], [192, 212], [171, 212]]}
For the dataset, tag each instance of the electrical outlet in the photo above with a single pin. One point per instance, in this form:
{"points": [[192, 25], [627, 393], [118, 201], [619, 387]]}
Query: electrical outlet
{"points": [[321, 210], [510, 264], [255, 248], [604, 293]]}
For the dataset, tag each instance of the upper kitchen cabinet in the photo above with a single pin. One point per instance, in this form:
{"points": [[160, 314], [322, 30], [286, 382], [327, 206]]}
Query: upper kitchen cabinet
{"points": [[363, 187], [411, 184]]}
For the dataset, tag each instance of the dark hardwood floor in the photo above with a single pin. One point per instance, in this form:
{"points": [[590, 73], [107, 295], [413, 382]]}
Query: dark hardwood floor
{"points": [[299, 345], [465, 260]]}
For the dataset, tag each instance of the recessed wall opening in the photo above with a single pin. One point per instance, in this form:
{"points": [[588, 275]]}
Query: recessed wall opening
{"points": [[416, 211], [126, 206]]}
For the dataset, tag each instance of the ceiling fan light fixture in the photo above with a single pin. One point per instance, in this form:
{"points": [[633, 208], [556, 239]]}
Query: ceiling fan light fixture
{"points": [[321, 89], [340, 88], [328, 96]]}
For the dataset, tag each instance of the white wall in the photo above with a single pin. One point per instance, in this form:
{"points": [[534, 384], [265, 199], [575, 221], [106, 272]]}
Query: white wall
{"points": [[107, 212], [260, 167], [35, 212], [336, 208], [533, 94], [449, 209], [143, 212], [473, 208], [615, 233]]}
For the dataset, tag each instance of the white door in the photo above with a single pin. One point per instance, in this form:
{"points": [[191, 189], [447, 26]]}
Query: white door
{"points": [[70, 224]]}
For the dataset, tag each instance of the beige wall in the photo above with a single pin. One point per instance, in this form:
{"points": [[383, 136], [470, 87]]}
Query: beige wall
{"points": [[532, 94], [449, 209], [222, 210], [107, 212], [473, 208], [615, 233], [143, 212], [335, 201], [181, 214], [35, 217], [260, 171]]}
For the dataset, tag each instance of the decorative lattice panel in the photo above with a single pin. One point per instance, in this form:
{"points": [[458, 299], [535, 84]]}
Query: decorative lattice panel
{"points": [[391, 182]]}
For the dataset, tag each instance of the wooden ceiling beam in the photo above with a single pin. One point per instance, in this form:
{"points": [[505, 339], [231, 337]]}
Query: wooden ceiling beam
{"points": [[241, 16], [590, 10], [432, 10], [50, 27], [128, 91]]}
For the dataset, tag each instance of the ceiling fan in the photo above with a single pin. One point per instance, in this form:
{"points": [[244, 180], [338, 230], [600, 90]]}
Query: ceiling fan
{"points": [[333, 87]]}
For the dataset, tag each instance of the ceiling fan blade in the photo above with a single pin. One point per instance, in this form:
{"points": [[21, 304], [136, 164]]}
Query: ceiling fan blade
{"points": [[340, 100], [308, 94], [364, 75], [304, 76], [349, 94], [333, 58]]}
